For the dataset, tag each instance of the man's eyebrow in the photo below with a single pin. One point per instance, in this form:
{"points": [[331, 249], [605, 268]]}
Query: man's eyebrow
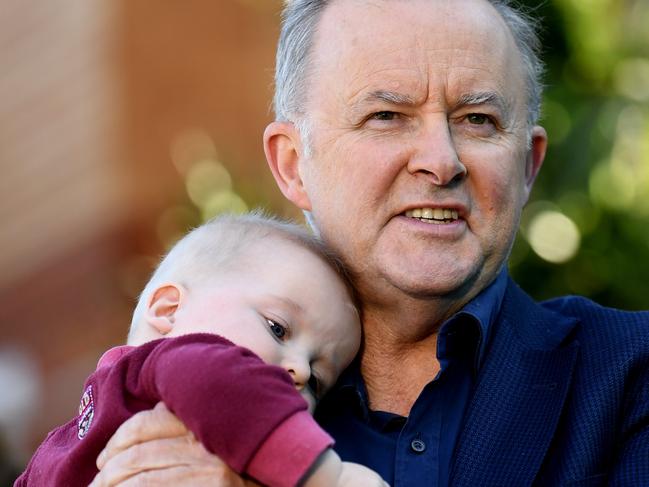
{"points": [[467, 99], [391, 97], [484, 98]]}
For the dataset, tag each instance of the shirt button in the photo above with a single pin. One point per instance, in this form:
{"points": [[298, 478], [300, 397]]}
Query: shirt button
{"points": [[418, 446]]}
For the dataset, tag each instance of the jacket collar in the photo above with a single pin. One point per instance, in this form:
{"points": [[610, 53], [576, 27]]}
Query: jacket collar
{"points": [[519, 395]]}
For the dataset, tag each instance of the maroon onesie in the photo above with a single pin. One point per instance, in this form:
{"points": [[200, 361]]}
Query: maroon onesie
{"points": [[243, 410]]}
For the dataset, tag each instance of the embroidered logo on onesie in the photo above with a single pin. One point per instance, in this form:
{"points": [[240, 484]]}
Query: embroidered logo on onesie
{"points": [[86, 412]]}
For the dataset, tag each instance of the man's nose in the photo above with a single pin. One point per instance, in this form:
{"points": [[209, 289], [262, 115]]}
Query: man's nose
{"points": [[435, 155]]}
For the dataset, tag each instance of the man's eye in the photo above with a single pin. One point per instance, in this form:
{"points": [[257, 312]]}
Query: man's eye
{"points": [[384, 116], [478, 118], [279, 331]]}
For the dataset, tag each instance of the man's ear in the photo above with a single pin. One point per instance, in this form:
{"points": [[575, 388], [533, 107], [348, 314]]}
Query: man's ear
{"points": [[284, 151], [161, 308], [535, 157]]}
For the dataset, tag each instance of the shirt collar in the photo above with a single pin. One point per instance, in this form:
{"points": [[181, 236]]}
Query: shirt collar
{"points": [[484, 309]]}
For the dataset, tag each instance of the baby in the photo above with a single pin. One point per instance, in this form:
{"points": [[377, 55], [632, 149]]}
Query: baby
{"points": [[245, 319]]}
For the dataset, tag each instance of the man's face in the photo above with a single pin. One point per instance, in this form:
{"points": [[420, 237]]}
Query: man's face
{"points": [[419, 165]]}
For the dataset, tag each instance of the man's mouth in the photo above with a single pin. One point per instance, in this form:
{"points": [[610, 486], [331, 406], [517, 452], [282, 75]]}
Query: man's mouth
{"points": [[436, 216]]}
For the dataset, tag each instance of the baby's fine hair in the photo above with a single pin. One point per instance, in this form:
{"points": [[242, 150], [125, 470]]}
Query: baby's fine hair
{"points": [[220, 245]]}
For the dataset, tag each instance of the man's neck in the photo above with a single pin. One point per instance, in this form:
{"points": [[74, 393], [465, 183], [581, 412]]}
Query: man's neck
{"points": [[394, 380], [399, 355]]}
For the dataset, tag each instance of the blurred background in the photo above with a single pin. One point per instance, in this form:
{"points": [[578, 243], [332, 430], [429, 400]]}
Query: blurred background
{"points": [[123, 123]]}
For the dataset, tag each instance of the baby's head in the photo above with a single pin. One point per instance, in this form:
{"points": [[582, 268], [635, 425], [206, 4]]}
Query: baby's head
{"points": [[263, 284]]}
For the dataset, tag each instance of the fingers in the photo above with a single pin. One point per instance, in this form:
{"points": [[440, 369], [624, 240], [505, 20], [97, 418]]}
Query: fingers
{"points": [[157, 423], [140, 458], [174, 461], [177, 477]]}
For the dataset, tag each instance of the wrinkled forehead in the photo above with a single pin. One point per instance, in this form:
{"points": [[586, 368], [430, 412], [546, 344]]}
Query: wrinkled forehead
{"points": [[412, 42]]}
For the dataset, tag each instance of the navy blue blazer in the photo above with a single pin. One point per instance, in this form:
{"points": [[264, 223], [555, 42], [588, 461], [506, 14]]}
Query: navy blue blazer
{"points": [[562, 398]]}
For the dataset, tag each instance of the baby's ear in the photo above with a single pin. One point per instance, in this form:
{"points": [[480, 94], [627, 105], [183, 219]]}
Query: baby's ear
{"points": [[162, 306]]}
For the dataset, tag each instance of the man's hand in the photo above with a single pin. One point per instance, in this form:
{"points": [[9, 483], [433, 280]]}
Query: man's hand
{"points": [[155, 448]]}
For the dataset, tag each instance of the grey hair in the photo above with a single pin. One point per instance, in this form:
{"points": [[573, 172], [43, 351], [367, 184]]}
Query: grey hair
{"points": [[294, 50], [220, 245]]}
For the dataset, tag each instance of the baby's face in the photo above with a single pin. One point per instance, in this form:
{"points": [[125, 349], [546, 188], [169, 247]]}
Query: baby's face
{"points": [[287, 306]]}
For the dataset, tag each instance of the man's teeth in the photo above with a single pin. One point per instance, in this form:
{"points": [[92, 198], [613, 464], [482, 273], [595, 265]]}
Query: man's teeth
{"points": [[433, 215]]}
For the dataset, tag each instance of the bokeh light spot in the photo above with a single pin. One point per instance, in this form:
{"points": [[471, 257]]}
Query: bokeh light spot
{"points": [[206, 178], [632, 78], [612, 185], [191, 146], [630, 123], [223, 202], [553, 236]]}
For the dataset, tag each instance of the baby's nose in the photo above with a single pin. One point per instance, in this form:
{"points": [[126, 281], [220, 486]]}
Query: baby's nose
{"points": [[299, 370]]}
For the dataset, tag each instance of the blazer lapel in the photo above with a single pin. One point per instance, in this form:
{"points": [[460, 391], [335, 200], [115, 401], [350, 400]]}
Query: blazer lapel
{"points": [[519, 396]]}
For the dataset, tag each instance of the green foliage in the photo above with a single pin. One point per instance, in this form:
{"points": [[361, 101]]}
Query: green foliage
{"points": [[596, 111]]}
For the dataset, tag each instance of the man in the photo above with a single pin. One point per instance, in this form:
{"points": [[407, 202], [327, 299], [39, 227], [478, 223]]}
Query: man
{"points": [[406, 129]]}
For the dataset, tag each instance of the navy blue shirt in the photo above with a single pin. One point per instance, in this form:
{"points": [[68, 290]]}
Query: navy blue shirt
{"points": [[416, 450]]}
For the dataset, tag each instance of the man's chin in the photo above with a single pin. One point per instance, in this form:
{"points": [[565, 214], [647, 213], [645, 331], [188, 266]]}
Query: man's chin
{"points": [[425, 283]]}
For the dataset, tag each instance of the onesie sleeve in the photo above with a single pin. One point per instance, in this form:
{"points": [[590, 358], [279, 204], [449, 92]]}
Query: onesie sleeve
{"points": [[289, 451], [245, 411]]}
